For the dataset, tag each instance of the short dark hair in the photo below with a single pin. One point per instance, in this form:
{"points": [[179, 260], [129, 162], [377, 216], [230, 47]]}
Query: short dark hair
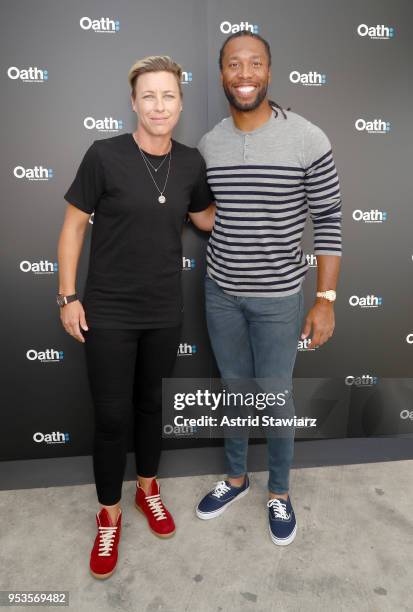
{"points": [[266, 44], [251, 35]]}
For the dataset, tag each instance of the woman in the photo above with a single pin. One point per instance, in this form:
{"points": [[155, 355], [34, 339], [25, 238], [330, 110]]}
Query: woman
{"points": [[140, 187]]}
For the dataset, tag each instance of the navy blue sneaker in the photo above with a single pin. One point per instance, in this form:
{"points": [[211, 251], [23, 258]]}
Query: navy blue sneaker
{"points": [[282, 523], [222, 496]]}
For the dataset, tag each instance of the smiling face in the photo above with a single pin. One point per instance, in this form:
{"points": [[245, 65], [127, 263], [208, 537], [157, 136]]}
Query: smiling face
{"points": [[245, 73], [157, 102]]}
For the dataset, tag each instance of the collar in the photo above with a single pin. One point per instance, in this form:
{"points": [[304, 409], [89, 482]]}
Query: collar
{"points": [[265, 127]]}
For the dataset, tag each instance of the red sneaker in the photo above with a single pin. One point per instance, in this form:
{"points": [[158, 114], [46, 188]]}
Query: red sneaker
{"points": [[104, 555], [160, 520]]}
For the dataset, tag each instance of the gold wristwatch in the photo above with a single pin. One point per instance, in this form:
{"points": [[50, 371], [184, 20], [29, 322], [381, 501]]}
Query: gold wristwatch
{"points": [[329, 295]]}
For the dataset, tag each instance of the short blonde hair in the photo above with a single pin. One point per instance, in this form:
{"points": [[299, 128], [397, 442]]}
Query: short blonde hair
{"points": [[154, 63]]}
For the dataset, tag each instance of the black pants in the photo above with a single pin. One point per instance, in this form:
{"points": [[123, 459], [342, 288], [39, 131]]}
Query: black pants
{"points": [[125, 369]]}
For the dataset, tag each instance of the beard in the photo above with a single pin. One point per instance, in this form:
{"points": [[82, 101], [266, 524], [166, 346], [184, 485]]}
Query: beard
{"points": [[249, 106]]}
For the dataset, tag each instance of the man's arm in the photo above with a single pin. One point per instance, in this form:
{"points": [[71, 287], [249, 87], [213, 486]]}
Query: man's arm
{"points": [[320, 318], [324, 202], [205, 219], [328, 268]]}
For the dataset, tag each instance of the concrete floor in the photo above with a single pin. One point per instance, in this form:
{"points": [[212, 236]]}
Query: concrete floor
{"points": [[353, 550]]}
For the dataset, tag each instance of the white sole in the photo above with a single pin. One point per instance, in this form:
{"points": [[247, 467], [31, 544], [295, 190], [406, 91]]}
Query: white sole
{"points": [[209, 515], [284, 541]]}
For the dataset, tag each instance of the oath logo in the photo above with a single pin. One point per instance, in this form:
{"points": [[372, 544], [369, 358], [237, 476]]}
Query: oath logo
{"points": [[39, 267], [369, 301], [308, 78], [38, 173], [186, 77], [108, 124], [406, 414], [187, 350], [377, 32], [370, 216], [179, 430], [32, 74], [46, 356], [103, 24], [188, 263], [409, 338], [366, 380], [227, 27], [311, 260], [375, 126], [55, 437]]}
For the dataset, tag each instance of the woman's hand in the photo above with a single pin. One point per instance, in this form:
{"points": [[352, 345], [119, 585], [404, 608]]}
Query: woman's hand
{"points": [[73, 318]]}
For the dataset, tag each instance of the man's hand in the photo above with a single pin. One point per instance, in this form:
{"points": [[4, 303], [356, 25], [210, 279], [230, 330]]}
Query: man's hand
{"points": [[321, 321], [73, 318]]}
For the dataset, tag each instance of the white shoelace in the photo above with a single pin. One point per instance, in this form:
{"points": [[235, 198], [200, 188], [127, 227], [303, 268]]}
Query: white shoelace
{"points": [[106, 538], [155, 505], [220, 488], [279, 508]]}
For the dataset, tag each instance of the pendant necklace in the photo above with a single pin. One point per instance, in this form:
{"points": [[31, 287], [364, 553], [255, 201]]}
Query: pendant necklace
{"points": [[161, 197], [152, 166]]}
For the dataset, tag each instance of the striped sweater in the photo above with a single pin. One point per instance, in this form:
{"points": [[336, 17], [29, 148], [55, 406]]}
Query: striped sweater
{"points": [[265, 183]]}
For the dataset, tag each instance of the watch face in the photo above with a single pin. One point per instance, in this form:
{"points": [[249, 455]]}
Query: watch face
{"points": [[59, 300], [331, 294]]}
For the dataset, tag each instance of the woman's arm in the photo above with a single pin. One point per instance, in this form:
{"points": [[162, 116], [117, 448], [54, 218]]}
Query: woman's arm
{"points": [[205, 219], [68, 253]]}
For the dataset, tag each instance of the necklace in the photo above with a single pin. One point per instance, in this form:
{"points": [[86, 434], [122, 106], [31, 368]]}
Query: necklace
{"points": [[151, 165], [161, 197]]}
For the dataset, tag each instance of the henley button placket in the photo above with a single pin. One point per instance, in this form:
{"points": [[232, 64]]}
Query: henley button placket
{"points": [[246, 146]]}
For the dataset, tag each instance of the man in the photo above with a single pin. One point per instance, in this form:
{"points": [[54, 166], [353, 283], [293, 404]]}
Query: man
{"points": [[267, 168]]}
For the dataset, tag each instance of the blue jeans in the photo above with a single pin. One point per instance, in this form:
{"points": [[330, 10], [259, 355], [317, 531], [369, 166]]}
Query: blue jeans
{"points": [[255, 337]]}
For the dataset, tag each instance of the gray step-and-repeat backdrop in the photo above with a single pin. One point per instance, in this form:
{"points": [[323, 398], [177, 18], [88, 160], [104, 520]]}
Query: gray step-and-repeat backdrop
{"points": [[343, 65]]}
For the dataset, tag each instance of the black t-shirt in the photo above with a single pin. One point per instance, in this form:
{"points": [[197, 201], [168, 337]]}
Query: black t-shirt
{"points": [[134, 276]]}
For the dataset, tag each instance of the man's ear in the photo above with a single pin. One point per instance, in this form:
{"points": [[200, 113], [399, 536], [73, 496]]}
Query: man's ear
{"points": [[269, 75], [133, 103]]}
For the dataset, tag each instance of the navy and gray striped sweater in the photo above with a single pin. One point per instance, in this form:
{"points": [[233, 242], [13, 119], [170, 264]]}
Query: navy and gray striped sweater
{"points": [[265, 183]]}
